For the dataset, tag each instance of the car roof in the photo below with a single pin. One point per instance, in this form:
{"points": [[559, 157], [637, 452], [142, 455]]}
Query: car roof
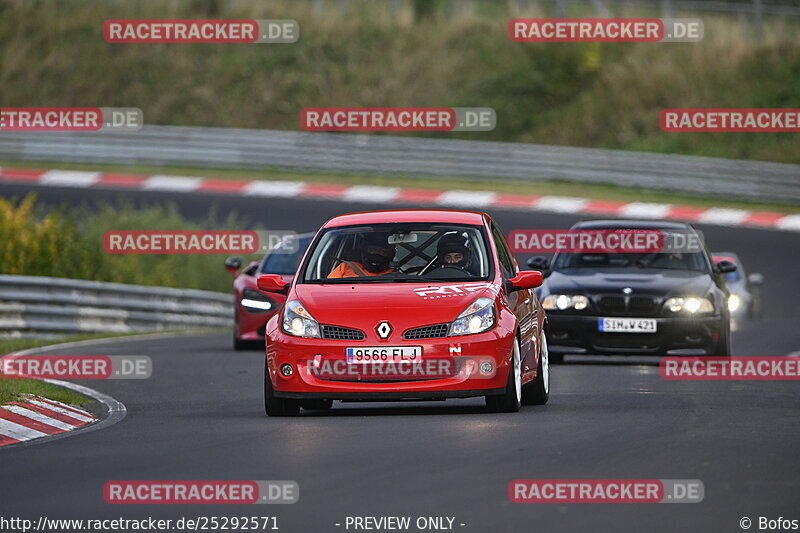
{"points": [[631, 224], [406, 216]]}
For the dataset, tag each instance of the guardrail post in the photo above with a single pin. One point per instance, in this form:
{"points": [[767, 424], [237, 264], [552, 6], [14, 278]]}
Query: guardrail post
{"points": [[394, 9], [600, 8], [522, 8], [758, 10], [667, 9], [561, 9]]}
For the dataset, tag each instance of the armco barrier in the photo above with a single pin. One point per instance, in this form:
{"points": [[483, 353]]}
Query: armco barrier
{"points": [[409, 156], [32, 306]]}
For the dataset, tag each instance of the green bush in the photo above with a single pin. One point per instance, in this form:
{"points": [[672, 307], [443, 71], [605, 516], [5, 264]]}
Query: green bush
{"points": [[70, 245]]}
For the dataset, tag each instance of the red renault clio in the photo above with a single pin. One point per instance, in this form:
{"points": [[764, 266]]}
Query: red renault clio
{"points": [[406, 305]]}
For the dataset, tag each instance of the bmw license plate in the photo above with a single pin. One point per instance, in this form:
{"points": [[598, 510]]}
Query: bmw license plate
{"points": [[626, 325], [384, 354]]}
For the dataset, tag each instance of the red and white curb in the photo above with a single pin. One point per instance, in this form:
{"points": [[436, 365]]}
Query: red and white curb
{"points": [[34, 417], [393, 195]]}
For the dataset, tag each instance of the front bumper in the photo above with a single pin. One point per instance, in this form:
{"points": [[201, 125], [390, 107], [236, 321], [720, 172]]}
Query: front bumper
{"points": [[306, 355], [580, 334]]}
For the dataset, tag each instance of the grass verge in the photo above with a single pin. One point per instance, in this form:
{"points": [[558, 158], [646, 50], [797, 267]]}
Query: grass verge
{"points": [[12, 389]]}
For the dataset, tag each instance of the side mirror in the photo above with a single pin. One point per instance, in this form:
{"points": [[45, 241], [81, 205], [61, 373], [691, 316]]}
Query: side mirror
{"points": [[526, 279], [724, 267], [233, 264], [272, 283], [539, 262], [755, 279]]}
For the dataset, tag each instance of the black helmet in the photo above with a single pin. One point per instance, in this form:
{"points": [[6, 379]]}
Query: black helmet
{"points": [[377, 262], [454, 243]]}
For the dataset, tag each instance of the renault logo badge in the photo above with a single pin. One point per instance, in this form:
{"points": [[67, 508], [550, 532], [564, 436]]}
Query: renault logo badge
{"points": [[384, 329]]}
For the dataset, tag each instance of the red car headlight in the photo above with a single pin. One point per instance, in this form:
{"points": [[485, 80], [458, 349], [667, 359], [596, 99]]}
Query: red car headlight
{"points": [[254, 301], [476, 318], [298, 322]]}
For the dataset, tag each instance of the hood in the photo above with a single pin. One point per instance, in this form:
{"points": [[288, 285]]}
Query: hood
{"points": [[404, 305], [644, 281]]}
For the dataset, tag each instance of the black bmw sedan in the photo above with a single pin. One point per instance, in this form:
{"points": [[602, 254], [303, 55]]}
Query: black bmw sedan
{"points": [[635, 303]]}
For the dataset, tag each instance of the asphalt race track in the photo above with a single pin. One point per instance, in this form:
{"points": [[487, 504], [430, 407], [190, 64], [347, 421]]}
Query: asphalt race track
{"points": [[201, 416]]}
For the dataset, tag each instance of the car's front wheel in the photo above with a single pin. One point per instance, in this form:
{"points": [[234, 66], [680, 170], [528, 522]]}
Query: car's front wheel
{"points": [[275, 406], [537, 392], [511, 400], [239, 344]]}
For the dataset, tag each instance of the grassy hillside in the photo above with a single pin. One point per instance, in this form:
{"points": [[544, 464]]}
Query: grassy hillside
{"points": [[601, 95]]}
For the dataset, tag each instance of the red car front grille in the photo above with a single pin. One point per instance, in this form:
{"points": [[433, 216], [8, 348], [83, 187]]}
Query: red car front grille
{"points": [[342, 334]]}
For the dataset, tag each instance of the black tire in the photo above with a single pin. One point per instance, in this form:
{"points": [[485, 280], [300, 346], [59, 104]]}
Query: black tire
{"points": [[239, 344], [275, 406], [723, 348], [537, 392], [511, 400], [316, 405]]}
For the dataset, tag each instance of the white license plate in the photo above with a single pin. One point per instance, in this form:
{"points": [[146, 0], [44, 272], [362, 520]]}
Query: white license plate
{"points": [[626, 325], [384, 354]]}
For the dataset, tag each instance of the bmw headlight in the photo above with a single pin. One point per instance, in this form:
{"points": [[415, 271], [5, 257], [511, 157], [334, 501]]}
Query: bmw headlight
{"points": [[476, 318], [690, 304], [734, 302], [255, 301], [562, 302], [297, 321]]}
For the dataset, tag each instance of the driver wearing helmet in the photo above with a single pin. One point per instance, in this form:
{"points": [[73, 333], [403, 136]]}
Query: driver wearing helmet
{"points": [[376, 257], [453, 251], [670, 260]]}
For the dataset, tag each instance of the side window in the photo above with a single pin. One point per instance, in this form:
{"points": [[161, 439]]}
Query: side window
{"points": [[504, 254]]}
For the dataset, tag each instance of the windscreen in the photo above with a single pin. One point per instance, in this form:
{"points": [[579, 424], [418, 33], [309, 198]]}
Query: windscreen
{"points": [[389, 253], [658, 261], [278, 262]]}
